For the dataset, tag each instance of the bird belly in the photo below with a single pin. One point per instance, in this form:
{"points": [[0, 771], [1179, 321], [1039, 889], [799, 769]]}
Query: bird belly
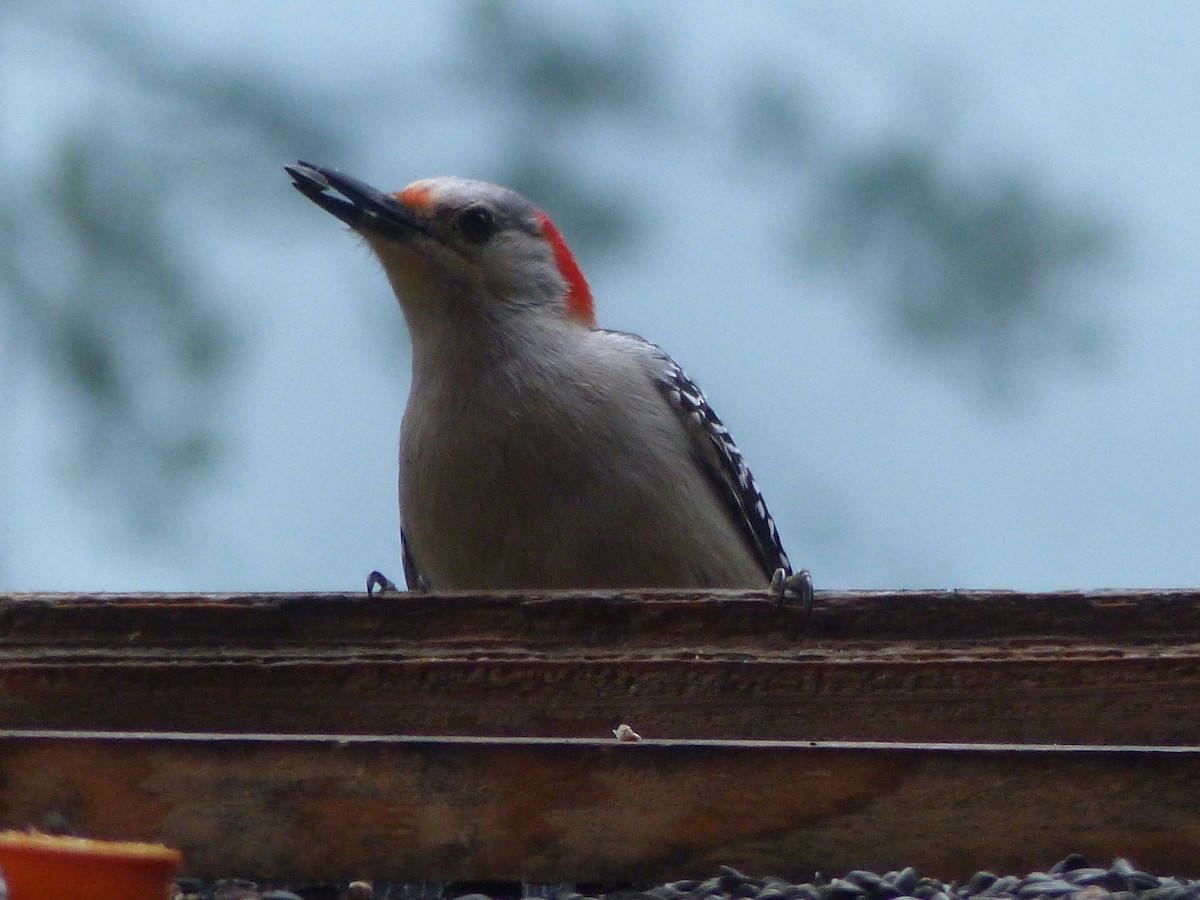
{"points": [[487, 512]]}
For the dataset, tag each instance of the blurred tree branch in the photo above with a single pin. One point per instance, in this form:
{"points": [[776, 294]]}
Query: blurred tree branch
{"points": [[96, 283], [989, 274]]}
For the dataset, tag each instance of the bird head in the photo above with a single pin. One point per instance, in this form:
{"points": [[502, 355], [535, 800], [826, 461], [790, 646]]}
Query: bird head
{"points": [[457, 249]]}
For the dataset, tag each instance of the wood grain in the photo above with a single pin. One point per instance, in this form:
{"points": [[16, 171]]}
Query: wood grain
{"points": [[1106, 668], [468, 737]]}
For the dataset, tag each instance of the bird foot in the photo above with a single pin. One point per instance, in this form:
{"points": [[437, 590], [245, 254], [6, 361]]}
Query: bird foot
{"points": [[378, 581], [794, 588]]}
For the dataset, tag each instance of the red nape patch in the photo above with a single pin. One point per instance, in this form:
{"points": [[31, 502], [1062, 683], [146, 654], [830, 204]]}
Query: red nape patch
{"points": [[579, 295]]}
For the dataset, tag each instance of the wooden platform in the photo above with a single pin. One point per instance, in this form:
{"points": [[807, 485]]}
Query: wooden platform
{"points": [[470, 737]]}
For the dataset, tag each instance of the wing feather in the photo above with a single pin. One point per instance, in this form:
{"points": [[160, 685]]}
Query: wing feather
{"points": [[723, 462]]}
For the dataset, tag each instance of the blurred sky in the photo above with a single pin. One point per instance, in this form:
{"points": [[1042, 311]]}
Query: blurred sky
{"points": [[881, 470]]}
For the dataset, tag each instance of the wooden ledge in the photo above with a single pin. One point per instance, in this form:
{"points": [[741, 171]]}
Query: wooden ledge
{"points": [[469, 737], [968, 667], [571, 618], [339, 807]]}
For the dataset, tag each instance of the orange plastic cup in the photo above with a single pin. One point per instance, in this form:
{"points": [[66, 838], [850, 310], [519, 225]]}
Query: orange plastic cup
{"points": [[44, 867]]}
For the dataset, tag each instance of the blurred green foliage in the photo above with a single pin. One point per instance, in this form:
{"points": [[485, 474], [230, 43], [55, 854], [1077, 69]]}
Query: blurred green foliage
{"points": [[986, 273], [97, 286]]}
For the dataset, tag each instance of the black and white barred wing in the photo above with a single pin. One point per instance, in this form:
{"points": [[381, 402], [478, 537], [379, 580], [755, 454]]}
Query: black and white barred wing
{"points": [[724, 463]]}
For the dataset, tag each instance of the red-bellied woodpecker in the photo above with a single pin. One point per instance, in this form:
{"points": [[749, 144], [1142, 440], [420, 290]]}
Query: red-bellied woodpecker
{"points": [[538, 450]]}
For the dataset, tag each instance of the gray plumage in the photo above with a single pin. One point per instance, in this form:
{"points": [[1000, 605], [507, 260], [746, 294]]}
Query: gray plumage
{"points": [[538, 450]]}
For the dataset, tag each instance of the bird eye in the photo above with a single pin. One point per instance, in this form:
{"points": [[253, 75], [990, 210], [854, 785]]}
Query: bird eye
{"points": [[476, 224]]}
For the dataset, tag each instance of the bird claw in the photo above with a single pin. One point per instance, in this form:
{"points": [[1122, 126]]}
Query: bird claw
{"points": [[792, 588], [377, 580]]}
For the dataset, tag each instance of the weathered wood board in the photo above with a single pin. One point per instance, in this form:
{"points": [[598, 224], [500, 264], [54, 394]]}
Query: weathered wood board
{"points": [[466, 737]]}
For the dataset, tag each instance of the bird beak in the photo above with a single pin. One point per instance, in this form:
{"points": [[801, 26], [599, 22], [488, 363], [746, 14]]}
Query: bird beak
{"points": [[359, 205]]}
